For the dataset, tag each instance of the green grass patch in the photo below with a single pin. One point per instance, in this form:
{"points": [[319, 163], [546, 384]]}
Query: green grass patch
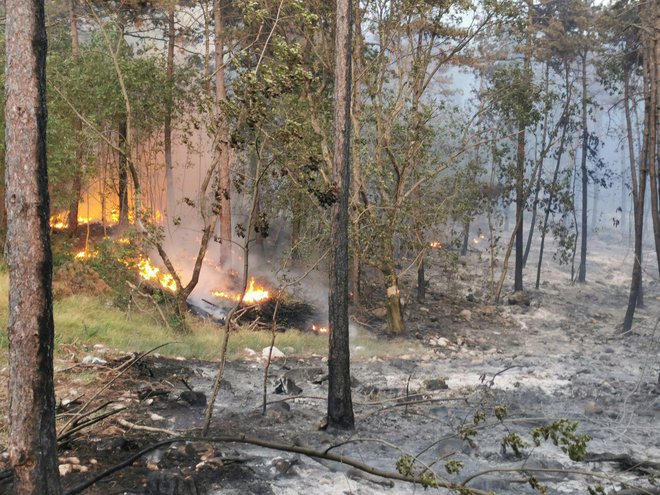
{"points": [[84, 321]]}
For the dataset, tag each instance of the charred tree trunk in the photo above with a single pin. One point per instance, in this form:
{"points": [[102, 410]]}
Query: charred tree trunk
{"points": [[582, 272], [421, 280], [32, 436], [340, 405], [76, 185], [222, 130], [167, 130], [123, 174], [466, 238], [639, 188], [520, 208]]}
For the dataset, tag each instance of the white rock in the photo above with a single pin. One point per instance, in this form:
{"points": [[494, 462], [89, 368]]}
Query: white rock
{"points": [[250, 352], [466, 314], [275, 355], [93, 360], [441, 342], [156, 417], [65, 469]]}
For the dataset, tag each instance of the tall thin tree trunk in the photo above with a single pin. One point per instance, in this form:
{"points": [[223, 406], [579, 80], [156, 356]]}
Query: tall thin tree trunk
{"points": [[32, 436], [582, 272], [639, 190], [537, 187], [123, 173], [76, 185], [340, 405], [222, 140], [167, 131]]}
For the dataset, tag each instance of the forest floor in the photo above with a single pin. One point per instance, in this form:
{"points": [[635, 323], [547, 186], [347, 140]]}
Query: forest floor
{"points": [[561, 357]]}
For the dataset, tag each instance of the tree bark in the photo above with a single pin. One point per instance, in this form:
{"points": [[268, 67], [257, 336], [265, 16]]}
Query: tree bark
{"points": [[32, 436], [222, 139], [654, 164], [639, 191], [123, 173], [76, 185], [582, 271], [340, 406], [167, 130]]}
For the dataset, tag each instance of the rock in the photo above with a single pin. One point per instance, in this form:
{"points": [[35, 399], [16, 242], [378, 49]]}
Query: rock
{"points": [[249, 352], [440, 342], [470, 297], [592, 407], [276, 354], [379, 312], [195, 399], [287, 386], [488, 310], [436, 384], [93, 360], [280, 466], [65, 469], [466, 314], [519, 298], [156, 417]]}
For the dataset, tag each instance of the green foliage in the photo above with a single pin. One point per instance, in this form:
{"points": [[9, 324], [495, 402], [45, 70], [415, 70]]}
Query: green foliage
{"points": [[563, 434], [453, 467], [404, 465], [515, 442]]}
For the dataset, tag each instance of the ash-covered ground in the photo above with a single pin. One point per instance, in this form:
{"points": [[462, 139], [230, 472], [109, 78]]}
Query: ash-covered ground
{"points": [[436, 398]]}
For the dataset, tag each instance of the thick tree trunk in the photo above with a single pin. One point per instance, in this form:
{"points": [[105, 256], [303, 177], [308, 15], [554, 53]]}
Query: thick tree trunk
{"points": [[76, 185], [582, 272], [32, 436], [123, 174], [340, 405], [654, 164], [167, 131], [222, 151], [466, 238]]}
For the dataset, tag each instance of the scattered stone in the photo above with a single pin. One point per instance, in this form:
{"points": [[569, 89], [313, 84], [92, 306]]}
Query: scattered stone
{"points": [[65, 469], [156, 417], [276, 354], [93, 360], [436, 384], [519, 298], [193, 398], [488, 310], [592, 407], [466, 314], [280, 466], [250, 352], [379, 312], [440, 342]]}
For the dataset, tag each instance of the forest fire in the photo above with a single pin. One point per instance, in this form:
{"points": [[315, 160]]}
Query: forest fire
{"points": [[435, 245], [321, 330], [253, 294], [151, 273]]}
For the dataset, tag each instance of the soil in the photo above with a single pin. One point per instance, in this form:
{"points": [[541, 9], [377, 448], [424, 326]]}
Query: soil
{"points": [[560, 357]]}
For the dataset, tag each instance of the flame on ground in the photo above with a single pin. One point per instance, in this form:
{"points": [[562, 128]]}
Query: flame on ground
{"points": [[435, 245], [149, 272], [253, 294], [320, 329]]}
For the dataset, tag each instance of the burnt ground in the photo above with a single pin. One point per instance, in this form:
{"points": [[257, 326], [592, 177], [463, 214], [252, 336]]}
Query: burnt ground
{"points": [[561, 357]]}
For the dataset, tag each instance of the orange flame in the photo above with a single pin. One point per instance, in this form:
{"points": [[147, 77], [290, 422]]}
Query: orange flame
{"points": [[253, 294], [320, 330], [149, 272], [435, 245]]}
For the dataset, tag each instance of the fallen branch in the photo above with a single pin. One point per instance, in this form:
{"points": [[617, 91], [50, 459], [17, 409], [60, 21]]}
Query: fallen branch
{"points": [[126, 366], [627, 462], [317, 454], [150, 429]]}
